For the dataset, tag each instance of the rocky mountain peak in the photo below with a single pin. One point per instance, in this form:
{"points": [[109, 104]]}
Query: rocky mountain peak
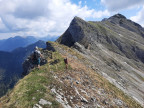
{"points": [[74, 33], [117, 19], [76, 19], [122, 21], [118, 16]]}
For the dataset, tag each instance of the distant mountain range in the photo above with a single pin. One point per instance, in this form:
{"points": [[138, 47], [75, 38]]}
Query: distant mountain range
{"points": [[18, 41], [11, 65]]}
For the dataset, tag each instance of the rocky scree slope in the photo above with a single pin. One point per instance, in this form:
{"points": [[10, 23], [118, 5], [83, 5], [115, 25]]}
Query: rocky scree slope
{"points": [[114, 48], [52, 86]]}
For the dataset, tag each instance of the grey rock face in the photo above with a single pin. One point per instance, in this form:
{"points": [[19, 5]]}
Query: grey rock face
{"points": [[37, 106], [49, 47], [44, 102], [118, 102], [74, 33]]}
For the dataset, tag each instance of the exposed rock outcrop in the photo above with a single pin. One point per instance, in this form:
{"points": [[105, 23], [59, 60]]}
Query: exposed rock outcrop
{"points": [[29, 63]]}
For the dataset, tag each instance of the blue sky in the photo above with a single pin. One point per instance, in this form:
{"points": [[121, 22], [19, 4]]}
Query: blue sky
{"points": [[52, 17]]}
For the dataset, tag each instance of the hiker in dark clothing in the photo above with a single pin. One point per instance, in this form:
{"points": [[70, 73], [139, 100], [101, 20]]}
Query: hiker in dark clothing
{"points": [[66, 62], [37, 57]]}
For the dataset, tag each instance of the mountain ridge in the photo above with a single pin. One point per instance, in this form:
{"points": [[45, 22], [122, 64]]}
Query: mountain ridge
{"points": [[101, 56], [115, 47], [12, 43], [15, 42]]}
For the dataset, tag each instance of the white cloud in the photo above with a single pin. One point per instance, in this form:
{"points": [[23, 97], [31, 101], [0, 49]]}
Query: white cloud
{"points": [[80, 2], [139, 18], [116, 5], [41, 17], [31, 8], [2, 26], [100, 14]]}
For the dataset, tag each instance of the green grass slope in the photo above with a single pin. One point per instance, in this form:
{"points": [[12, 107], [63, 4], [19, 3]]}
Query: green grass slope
{"points": [[78, 85]]}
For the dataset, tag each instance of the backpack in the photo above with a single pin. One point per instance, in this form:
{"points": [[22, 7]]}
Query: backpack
{"points": [[36, 54]]}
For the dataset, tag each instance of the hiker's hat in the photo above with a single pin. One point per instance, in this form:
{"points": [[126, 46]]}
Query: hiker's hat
{"points": [[36, 48]]}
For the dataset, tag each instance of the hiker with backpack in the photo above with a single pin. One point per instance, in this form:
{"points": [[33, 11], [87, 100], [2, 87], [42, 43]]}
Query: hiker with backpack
{"points": [[37, 57]]}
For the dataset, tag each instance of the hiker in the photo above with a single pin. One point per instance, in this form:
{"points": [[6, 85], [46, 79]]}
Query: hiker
{"points": [[66, 62], [37, 57]]}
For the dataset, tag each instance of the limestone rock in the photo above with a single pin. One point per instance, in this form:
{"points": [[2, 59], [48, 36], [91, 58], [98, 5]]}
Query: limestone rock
{"points": [[44, 102]]}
